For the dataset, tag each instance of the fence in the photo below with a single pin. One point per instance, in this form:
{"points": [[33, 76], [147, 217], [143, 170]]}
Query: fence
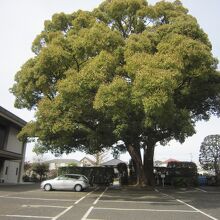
{"points": [[96, 175]]}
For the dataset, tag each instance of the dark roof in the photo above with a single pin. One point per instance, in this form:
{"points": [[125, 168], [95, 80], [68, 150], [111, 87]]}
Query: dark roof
{"points": [[113, 162], [11, 117], [62, 161]]}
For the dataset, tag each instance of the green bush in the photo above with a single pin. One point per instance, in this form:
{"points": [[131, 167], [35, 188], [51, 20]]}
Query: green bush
{"points": [[184, 181], [26, 178]]}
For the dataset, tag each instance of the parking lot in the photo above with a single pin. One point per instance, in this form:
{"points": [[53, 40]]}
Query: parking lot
{"points": [[30, 202]]}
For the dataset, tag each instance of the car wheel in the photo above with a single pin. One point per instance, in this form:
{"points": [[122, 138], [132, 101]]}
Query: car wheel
{"points": [[47, 187], [78, 188]]}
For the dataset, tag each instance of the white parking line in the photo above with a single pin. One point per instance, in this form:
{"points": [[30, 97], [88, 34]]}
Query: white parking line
{"points": [[4, 196], [91, 208], [202, 190], [188, 191], [85, 196], [100, 196], [171, 197], [70, 207], [37, 190], [26, 216], [62, 213], [17, 193], [147, 210], [61, 200], [130, 201], [43, 206], [87, 213], [198, 210]]}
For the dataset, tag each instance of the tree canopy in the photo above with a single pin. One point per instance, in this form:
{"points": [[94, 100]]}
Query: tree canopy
{"points": [[127, 74], [209, 156]]}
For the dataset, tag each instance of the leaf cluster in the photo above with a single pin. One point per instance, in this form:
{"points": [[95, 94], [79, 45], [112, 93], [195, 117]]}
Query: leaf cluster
{"points": [[209, 156], [125, 71]]}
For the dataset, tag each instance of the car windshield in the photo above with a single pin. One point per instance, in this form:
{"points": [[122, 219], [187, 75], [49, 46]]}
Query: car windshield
{"points": [[84, 178]]}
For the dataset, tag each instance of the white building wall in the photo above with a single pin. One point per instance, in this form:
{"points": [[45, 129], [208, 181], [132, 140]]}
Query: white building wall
{"points": [[13, 144], [52, 166]]}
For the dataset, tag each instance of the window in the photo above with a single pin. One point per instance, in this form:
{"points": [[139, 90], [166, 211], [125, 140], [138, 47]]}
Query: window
{"points": [[16, 171], [62, 178], [6, 171], [73, 177]]}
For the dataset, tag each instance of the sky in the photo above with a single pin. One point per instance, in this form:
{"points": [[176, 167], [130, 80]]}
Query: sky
{"points": [[21, 21]]}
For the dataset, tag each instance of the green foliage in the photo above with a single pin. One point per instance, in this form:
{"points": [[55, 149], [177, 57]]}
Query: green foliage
{"points": [[184, 181], [185, 165], [27, 166], [209, 156], [96, 175], [126, 71], [72, 164], [40, 169]]}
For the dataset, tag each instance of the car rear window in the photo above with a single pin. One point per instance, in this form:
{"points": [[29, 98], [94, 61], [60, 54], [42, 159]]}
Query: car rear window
{"points": [[84, 178]]}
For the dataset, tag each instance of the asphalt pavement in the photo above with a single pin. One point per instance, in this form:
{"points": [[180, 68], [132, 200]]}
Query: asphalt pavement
{"points": [[110, 203]]}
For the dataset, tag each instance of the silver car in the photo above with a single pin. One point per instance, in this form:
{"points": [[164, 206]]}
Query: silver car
{"points": [[75, 182]]}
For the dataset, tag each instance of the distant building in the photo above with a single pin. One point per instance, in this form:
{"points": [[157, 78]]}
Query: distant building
{"points": [[12, 151], [112, 163], [56, 163], [164, 163], [158, 163], [170, 160], [86, 162]]}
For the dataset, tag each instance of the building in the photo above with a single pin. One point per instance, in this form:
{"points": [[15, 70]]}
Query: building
{"points": [[12, 151], [56, 163], [112, 163], [86, 162]]}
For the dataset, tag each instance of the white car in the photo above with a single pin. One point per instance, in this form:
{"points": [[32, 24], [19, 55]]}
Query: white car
{"points": [[75, 182]]}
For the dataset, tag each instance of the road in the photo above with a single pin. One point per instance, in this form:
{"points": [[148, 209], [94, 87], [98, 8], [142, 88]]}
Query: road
{"points": [[112, 203]]}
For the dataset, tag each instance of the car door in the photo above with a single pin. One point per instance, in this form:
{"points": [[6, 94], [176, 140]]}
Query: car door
{"points": [[59, 182], [69, 182]]}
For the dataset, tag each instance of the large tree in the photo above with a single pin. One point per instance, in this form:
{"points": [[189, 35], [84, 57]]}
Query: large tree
{"points": [[209, 156], [125, 76]]}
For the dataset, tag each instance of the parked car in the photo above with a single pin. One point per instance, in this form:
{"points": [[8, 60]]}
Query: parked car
{"points": [[75, 182]]}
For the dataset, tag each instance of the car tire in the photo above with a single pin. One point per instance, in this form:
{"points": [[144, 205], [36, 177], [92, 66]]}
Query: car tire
{"points": [[78, 188], [47, 187]]}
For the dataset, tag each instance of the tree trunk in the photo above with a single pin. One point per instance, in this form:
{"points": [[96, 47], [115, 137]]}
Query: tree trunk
{"points": [[149, 163], [136, 156], [216, 169]]}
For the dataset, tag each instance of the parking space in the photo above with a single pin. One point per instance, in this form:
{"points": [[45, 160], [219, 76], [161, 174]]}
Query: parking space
{"points": [[158, 204], [37, 204], [205, 199], [110, 203]]}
